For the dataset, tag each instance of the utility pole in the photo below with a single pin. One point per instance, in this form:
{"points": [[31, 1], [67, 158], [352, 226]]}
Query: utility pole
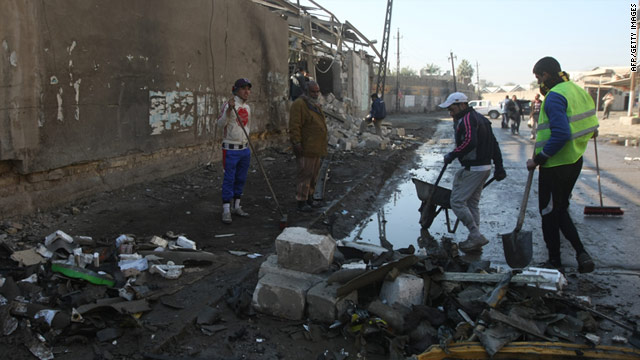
{"points": [[478, 80], [382, 70], [453, 71], [398, 74]]}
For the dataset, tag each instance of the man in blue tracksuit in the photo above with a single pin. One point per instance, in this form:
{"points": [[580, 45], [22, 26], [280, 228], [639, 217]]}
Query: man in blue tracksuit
{"points": [[476, 147], [236, 154], [377, 114]]}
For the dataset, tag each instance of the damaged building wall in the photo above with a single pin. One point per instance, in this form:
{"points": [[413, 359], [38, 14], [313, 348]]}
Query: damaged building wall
{"points": [[358, 79], [99, 95]]}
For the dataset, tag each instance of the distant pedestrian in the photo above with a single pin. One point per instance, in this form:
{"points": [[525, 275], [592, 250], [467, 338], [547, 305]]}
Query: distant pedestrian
{"points": [[476, 147], [298, 83], [376, 115], [567, 121], [535, 114], [236, 154], [515, 114], [608, 103], [308, 135], [503, 108]]}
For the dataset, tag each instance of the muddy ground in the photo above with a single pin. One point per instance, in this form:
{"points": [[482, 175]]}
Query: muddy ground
{"points": [[189, 204]]}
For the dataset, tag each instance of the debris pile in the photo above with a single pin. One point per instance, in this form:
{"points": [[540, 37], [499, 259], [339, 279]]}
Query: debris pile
{"points": [[344, 129], [72, 288], [404, 302]]}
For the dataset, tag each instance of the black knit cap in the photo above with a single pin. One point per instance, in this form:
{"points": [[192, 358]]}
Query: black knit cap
{"points": [[547, 64]]}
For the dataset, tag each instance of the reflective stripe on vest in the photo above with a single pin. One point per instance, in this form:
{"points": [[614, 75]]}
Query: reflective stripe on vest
{"points": [[583, 122]]}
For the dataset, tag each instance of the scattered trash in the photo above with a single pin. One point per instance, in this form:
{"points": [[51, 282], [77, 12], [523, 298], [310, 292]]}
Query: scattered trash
{"points": [[85, 274], [27, 257], [169, 271], [556, 280], [183, 242]]}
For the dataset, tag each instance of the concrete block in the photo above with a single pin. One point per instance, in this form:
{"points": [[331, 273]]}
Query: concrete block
{"points": [[629, 120], [270, 266], [281, 296], [399, 131], [298, 249], [333, 141], [324, 306], [406, 290], [344, 144]]}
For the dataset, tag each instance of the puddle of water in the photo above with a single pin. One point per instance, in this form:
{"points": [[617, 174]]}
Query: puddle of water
{"points": [[402, 227]]}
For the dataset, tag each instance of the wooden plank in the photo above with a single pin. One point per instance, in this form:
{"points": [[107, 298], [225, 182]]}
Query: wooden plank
{"points": [[376, 275], [489, 278]]}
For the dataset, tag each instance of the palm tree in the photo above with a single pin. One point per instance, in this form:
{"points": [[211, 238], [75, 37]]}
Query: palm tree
{"points": [[430, 70]]}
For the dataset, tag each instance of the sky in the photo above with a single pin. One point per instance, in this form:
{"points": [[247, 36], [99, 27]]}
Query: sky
{"points": [[504, 37]]}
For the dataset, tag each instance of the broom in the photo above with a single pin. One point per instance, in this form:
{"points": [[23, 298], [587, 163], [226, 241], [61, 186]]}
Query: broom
{"points": [[601, 210]]}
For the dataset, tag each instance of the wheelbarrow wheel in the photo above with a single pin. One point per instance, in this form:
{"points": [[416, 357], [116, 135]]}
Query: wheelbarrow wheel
{"points": [[427, 215]]}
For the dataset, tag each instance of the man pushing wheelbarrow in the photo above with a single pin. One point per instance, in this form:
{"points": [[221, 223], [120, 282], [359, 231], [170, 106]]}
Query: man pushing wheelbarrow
{"points": [[476, 148]]}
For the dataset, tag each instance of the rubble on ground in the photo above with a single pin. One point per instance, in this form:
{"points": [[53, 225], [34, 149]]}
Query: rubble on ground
{"points": [[76, 287], [403, 304]]}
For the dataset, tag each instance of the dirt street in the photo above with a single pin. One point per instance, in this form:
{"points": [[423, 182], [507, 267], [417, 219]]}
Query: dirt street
{"points": [[189, 204]]}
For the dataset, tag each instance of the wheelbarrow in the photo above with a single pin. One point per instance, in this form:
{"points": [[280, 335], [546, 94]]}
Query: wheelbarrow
{"points": [[435, 199]]}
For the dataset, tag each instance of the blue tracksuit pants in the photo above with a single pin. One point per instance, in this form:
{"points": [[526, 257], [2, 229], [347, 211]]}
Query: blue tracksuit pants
{"points": [[236, 167]]}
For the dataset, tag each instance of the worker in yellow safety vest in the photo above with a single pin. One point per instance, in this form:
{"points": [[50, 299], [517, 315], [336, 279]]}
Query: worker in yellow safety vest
{"points": [[567, 121]]}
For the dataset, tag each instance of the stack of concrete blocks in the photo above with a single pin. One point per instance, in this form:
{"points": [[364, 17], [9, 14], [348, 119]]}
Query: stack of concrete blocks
{"points": [[294, 281]]}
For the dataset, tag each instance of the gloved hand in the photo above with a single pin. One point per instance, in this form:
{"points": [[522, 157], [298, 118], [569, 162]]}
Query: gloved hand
{"points": [[500, 174], [448, 158], [297, 149]]}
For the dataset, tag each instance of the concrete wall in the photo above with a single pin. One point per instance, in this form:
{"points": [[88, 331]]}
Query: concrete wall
{"points": [[99, 95], [420, 94]]}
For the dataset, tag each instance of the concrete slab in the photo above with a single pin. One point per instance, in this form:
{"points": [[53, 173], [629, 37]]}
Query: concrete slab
{"points": [[282, 296], [406, 290], [298, 249], [324, 304]]}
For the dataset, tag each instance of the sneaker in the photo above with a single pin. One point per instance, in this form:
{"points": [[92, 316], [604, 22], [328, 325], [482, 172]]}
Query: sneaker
{"points": [[238, 211], [585, 263], [473, 243], [226, 217], [314, 204], [532, 137]]}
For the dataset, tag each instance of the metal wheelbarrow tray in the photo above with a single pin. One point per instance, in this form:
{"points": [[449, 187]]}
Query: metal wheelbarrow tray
{"points": [[440, 201]]}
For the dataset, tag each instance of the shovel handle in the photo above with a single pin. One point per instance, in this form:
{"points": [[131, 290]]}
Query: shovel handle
{"points": [[525, 200]]}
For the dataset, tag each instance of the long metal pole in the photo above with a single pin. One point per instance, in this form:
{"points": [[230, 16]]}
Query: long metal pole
{"points": [[398, 74], [453, 72]]}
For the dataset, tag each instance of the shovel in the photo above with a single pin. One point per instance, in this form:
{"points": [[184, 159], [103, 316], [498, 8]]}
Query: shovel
{"points": [[517, 245]]}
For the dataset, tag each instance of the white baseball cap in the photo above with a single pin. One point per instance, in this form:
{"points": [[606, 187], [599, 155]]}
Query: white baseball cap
{"points": [[455, 98]]}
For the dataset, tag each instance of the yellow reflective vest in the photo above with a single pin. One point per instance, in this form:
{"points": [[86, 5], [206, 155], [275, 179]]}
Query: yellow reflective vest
{"points": [[583, 122]]}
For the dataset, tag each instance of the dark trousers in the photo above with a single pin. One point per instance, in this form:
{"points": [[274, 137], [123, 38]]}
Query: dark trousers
{"points": [[554, 188]]}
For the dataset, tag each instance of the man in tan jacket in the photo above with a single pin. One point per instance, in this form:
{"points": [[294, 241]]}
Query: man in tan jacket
{"points": [[308, 135]]}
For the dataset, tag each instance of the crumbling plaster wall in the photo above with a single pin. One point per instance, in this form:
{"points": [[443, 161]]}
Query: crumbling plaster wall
{"points": [[99, 95]]}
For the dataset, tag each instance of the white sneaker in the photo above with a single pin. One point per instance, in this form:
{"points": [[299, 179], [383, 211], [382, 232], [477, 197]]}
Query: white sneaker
{"points": [[226, 217], [238, 211]]}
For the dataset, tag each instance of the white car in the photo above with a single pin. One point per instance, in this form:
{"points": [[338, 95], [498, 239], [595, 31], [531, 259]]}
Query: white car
{"points": [[484, 107]]}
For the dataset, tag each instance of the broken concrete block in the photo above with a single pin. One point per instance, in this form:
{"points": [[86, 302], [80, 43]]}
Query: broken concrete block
{"points": [[324, 304], [270, 266], [333, 141], [59, 234], [406, 290], [344, 145], [282, 296], [298, 249]]}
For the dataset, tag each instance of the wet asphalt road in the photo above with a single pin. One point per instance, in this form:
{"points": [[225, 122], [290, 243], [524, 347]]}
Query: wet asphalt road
{"points": [[614, 242]]}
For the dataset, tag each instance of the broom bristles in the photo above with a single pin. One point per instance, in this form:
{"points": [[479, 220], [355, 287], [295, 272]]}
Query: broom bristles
{"points": [[603, 210]]}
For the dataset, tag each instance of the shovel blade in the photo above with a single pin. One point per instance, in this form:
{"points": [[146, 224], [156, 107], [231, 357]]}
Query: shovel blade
{"points": [[518, 248]]}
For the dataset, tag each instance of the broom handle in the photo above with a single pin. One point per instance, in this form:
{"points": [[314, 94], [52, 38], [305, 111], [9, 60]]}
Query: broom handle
{"points": [[595, 147], [255, 154]]}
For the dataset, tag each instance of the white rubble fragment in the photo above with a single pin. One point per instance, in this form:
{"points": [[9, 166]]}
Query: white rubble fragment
{"points": [[59, 234], [183, 242], [556, 278]]}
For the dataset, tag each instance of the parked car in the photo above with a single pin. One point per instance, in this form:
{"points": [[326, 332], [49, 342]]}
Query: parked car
{"points": [[525, 105], [484, 107]]}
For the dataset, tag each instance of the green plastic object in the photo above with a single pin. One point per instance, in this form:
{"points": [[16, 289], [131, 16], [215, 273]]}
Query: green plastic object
{"points": [[84, 274]]}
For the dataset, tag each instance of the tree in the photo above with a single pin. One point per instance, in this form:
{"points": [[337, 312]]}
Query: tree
{"points": [[430, 70], [465, 71], [407, 71]]}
